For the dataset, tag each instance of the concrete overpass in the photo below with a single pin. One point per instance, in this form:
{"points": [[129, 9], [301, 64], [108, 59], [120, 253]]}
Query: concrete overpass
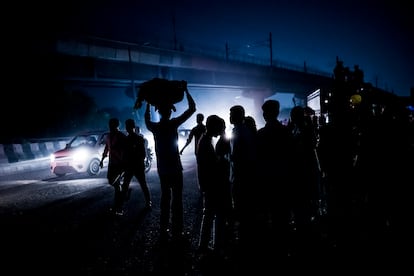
{"points": [[98, 62]]}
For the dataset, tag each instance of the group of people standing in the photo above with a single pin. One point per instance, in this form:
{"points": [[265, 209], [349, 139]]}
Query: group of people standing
{"points": [[270, 173], [234, 188], [257, 181]]}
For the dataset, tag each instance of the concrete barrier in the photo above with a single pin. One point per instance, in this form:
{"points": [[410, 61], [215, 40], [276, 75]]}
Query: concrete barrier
{"points": [[3, 156], [58, 145], [34, 147], [28, 155], [50, 148], [12, 153], [18, 150], [27, 152]]}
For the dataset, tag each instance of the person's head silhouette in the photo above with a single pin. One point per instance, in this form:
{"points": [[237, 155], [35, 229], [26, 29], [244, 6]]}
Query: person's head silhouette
{"points": [[200, 118], [113, 124], [271, 109], [165, 110]]}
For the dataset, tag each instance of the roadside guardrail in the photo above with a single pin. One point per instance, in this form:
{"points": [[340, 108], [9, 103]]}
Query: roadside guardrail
{"points": [[30, 150], [28, 155]]}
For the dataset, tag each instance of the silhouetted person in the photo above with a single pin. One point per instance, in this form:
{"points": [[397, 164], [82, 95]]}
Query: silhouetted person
{"points": [[358, 76], [135, 154], [273, 150], [115, 150], [251, 123], [223, 150], [207, 162], [336, 150], [170, 169], [340, 71], [195, 133], [243, 169], [304, 182]]}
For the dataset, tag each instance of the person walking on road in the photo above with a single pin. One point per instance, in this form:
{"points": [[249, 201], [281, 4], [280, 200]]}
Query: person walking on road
{"points": [[169, 166], [115, 149], [134, 162], [195, 133]]}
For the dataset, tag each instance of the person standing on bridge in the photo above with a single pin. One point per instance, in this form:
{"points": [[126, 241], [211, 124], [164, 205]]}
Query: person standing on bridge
{"points": [[169, 166]]}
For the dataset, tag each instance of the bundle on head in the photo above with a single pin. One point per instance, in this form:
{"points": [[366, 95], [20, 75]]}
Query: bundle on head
{"points": [[159, 91]]}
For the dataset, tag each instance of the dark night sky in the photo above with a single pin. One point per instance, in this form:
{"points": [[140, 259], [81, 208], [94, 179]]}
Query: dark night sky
{"points": [[375, 35]]}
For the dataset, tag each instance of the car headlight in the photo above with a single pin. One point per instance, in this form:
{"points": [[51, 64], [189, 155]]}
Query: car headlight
{"points": [[81, 155], [52, 158]]}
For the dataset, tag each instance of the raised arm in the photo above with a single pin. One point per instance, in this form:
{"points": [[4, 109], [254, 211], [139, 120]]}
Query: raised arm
{"points": [[189, 112], [191, 103]]}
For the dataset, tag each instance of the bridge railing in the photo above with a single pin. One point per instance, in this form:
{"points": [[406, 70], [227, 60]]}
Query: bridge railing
{"points": [[90, 46], [245, 58]]}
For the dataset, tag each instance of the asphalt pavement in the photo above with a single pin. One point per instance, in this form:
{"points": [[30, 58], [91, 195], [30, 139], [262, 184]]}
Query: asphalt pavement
{"points": [[348, 240]]}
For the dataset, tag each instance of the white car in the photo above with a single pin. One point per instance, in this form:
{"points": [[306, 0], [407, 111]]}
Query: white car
{"points": [[82, 154]]}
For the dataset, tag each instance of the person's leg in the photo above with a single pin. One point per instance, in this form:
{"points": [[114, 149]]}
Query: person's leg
{"points": [[126, 190], [165, 204], [177, 204], [114, 179], [206, 225], [140, 175]]}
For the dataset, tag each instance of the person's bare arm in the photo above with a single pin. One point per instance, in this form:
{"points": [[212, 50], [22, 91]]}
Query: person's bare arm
{"points": [[191, 103], [189, 139]]}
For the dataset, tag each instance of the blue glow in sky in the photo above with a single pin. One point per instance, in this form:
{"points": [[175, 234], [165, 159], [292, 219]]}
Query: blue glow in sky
{"points": [[376, 35]]}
